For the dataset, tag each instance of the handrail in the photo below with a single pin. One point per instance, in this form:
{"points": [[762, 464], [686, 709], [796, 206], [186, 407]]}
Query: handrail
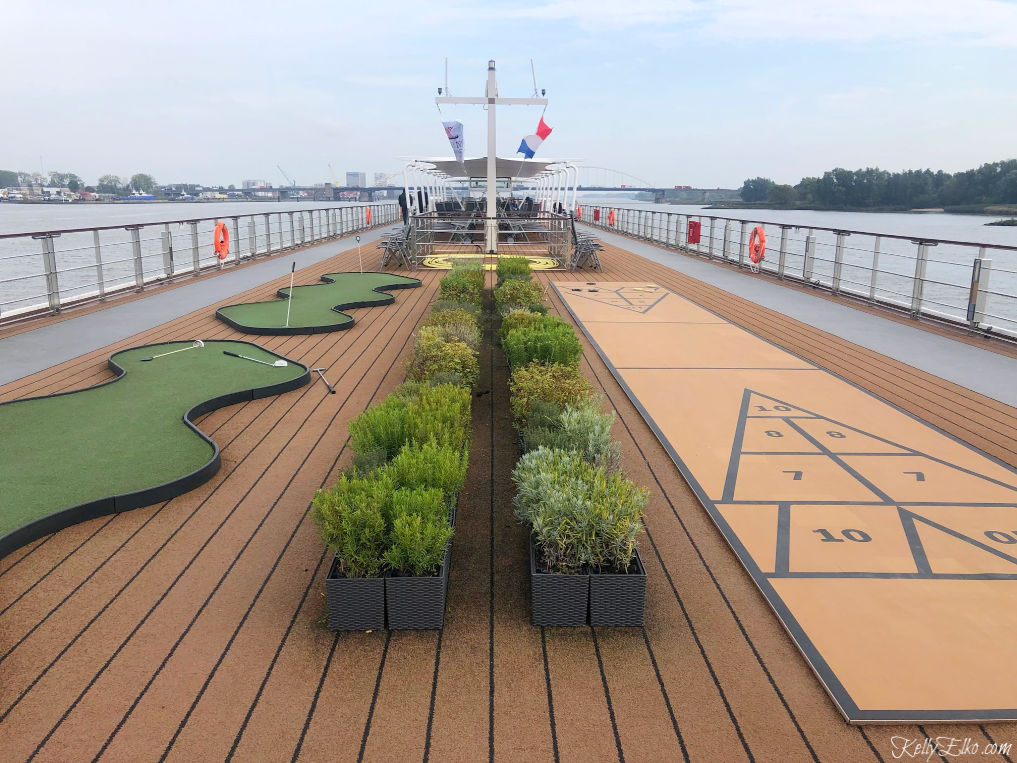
{"points": [[182, 221], [76, 270], [952, 286]]}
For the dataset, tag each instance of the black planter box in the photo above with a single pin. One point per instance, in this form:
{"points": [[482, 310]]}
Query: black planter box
{"points": [[557, 599], [617, 599], [418, 602], [354, 604]]}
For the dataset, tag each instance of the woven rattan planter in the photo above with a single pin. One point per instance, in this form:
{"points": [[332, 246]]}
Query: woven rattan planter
{"points": [[418, 602], [557, 599], [354, 604], [618, 599]]}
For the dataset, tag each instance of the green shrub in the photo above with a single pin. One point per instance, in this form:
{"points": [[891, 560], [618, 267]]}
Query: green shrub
{"points": [[430, 465], [351, 520], [440, 413], [520, 318], [417, 544], [456, 325], [381, 427], [513, 267], [472, 269], [429, 503], [514, 294], [433, 355], [580, 517], [583, 429], [550, 343], [557, 385], [459, 288], [442, 305]]}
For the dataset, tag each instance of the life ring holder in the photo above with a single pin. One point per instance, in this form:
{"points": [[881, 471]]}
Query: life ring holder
{"points": [[221, 240]]}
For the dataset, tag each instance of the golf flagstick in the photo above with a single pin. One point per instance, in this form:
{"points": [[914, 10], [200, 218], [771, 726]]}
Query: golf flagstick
{"points": [[290, 300], [359, 257]]}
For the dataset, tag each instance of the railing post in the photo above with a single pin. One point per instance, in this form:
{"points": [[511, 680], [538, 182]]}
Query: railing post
{"points": [[300, 226], [838, 260], [782, 259], [252, 237], [875, 270], [310, 224], [709, 250], [981, 269], [167, 252], [236, 237], [810, 253], [743, 244], [918, 289], [50, 266], [293, 238], [268, 234], [723, 243], [139, 271], [194, 248], [98, 265]]}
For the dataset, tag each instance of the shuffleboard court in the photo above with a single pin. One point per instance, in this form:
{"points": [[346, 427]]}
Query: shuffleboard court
{"points": [[887, 548]]}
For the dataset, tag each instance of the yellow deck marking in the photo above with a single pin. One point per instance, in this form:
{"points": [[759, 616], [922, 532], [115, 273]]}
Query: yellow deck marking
{"points": [[444, 260], [887, 547]]}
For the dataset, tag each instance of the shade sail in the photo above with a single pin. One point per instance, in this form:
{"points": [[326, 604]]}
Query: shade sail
{"points": [[477, 167]]}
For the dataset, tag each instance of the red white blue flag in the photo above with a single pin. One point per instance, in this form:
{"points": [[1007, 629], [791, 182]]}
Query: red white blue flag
{"points": [[454, 131], [529, 145]]}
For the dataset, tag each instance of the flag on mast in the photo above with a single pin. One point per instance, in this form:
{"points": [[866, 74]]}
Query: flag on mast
{"points": [[529, 145], [454, 131]]}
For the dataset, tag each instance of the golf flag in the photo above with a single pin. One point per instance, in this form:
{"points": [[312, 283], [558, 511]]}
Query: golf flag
{"points": [[454, 131], [529, 145]]}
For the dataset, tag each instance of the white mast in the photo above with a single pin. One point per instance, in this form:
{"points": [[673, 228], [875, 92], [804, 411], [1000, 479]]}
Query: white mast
{"points": [[491, 100]]}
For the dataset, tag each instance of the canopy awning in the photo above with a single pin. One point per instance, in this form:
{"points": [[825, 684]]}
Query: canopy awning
{"points": [[477, 167]]}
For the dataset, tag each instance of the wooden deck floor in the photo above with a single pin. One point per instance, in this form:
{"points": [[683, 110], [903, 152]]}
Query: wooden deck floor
{"points": [[193, 630]]}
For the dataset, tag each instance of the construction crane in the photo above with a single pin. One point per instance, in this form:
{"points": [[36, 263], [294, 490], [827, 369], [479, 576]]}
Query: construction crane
{"points": [[335, 183], [291, 181]]}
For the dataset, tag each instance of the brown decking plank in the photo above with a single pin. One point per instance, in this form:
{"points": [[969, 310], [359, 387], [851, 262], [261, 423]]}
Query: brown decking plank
{"points": [[208, 565], [370, 363], [585, 730]]}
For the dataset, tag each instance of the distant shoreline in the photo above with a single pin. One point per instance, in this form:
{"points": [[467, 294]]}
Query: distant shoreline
{"points": [[968, 209]]}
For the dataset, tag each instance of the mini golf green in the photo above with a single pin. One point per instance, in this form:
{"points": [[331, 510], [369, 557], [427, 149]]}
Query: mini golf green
{"points": [[316, 308], [127, 443]]}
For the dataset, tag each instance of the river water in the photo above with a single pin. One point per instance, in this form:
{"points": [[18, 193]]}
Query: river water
{"points": [[948, 273]]}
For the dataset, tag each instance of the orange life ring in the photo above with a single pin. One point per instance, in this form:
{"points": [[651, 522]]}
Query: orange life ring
{"points": [[579, 213], [368, 215], [221, 240], [757, 245], [610, 218]]}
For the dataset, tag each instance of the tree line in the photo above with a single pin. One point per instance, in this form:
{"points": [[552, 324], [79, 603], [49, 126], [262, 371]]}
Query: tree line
{"points": [[873, 188], [106, 184]]}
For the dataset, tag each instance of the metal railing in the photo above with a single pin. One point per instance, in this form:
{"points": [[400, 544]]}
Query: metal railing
{"points": [[541, 234], [925, 277], [45, 271]]}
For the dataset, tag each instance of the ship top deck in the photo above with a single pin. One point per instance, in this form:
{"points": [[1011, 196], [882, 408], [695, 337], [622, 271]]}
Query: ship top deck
{"points": [[194, 628]]}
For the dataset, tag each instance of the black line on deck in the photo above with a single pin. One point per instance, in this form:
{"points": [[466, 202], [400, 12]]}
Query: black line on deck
{"points": [[607, 696], [550, 697], [666, 697], [317, 695], [490, 557], [374, 697], [782, 562], [434, 694]]}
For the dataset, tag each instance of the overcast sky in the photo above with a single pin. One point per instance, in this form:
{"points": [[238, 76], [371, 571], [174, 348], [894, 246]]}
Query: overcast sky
{"points": [[689, 92]]}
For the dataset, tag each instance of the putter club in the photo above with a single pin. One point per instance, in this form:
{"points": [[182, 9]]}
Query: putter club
{"points": [[278, 364], [330, 387], [197, 343]]}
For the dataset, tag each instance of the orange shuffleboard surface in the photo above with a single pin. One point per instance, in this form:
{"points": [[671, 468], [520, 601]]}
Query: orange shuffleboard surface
{"points": [[887, 548]]}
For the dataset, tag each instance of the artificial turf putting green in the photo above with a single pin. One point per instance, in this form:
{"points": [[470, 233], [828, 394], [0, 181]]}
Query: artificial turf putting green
{"points": [[316, 308], [125, 443]]}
